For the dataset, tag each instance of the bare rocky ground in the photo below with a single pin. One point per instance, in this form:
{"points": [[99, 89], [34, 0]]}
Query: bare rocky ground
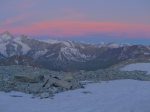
{"points": [[39, 82], [44, 83]]}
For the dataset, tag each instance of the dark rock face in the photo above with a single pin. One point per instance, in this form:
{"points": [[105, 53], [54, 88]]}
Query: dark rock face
{"points": [[66, 55]]}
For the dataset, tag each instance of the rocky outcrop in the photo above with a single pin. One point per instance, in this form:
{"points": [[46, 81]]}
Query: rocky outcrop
{"points": [[28, 78], [39, 82], [44, 83]]}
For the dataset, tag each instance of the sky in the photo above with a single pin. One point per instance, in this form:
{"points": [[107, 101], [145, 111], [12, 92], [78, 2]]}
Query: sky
{"points": [[123, 21]]}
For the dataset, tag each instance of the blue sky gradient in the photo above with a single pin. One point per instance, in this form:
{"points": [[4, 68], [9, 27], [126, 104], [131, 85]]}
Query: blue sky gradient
{"points": [[87, 20]]}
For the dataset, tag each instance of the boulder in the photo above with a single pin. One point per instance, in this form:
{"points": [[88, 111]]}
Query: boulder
{"points": [[28, 78], [53, 82], [63, 84], [44, 95], [68, 77]]}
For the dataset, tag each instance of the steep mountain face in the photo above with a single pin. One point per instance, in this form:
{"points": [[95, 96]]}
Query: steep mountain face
{"points": [[65, 55]]}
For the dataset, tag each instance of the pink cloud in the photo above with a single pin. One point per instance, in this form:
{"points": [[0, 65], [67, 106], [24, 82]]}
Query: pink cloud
{"points": [[78, 28]]}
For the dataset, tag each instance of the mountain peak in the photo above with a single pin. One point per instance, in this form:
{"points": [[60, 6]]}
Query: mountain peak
{"points": [[6, 33], [5, 36]]}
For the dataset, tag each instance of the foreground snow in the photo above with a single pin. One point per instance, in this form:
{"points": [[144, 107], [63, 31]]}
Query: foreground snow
{"points": [[112, 96], [137, 66]]}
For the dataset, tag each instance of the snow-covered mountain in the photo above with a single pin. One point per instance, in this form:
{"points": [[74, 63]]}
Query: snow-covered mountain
{"points": [[10, 46], [66, 55]]}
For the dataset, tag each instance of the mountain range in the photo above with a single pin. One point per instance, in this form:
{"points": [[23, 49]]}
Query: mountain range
{"points": [[66, 55]]}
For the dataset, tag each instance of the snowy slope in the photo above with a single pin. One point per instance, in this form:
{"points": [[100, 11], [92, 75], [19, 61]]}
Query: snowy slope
{"points": [[137, 66], [113, 96], [10, 45], [25, 47]]}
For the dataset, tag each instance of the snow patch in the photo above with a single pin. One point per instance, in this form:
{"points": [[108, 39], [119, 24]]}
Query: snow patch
{"points": [[40, 53], [137, 66], [5, 37], [112, 96], [25, 47], [71, 53], [3, 48]]}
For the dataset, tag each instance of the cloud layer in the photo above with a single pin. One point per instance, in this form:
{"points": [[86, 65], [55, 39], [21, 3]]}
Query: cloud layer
{"points": [[77, 18]]}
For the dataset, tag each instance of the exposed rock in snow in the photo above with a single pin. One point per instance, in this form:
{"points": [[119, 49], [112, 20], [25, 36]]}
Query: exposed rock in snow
{"points": [[40, 53], [74, 54], [3, 49], [9, 45], [6, 36], [25, 47]]}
